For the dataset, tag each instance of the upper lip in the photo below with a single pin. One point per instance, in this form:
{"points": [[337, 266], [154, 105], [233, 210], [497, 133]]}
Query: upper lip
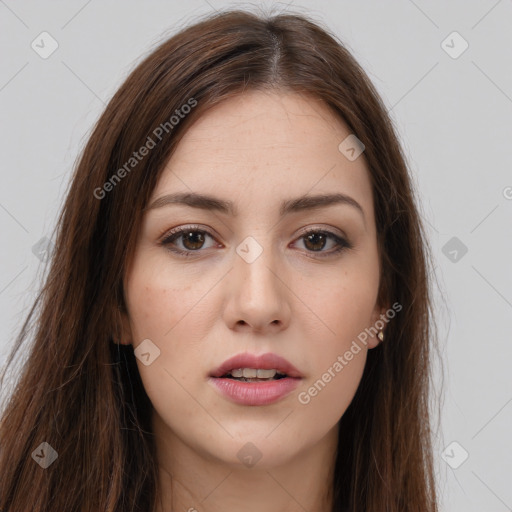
{"points": [[266, 361]]}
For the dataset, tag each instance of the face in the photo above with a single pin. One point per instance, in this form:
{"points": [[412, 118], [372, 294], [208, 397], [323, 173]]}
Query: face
{"points": [[255, 272]]}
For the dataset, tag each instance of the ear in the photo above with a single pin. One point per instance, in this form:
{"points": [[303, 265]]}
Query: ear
{"points": [[378, 322]]}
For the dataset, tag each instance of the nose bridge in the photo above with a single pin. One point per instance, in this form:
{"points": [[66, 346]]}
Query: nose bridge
{"points": [[259, 296], [256, 263]]}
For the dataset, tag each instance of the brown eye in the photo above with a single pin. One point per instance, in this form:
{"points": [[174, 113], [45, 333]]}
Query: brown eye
{"points": [[193, 240], [315, 241], [185, 241]]}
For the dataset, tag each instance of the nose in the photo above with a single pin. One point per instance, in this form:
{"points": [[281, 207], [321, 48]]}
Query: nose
{"points": [[258, 297]]}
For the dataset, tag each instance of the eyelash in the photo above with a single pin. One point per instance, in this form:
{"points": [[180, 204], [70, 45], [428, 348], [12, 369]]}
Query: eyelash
{"points": [[171, 236]]}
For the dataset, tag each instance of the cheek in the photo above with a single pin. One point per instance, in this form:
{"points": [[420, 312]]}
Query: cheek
{"points": [[339, 358], [166, 308], [162, 309], [341, 304], [158, 300], [329, 393]]}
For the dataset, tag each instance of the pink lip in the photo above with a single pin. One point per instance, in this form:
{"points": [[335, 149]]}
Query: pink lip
{"points": [[256, 393], [264, 362]]}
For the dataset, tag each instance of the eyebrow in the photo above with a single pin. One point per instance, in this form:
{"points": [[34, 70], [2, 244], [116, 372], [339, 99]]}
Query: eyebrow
{"points": [[299, 204]]}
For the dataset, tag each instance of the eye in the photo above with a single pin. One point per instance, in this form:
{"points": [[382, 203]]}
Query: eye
{"points": [[315, 240], [187, 240], [191, 239]]}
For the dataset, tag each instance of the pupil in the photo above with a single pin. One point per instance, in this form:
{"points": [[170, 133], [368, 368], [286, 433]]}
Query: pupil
{"points": [[314, 236], [189, 237]]}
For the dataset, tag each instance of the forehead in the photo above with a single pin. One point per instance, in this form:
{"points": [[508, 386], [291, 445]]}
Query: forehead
{"points": [[263, 145]]}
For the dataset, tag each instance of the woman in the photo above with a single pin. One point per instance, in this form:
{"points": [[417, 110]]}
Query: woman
{"points": [[237, 309]]}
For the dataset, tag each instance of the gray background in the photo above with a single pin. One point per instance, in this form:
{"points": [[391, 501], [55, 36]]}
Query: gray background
{"points": [[454, 118]]}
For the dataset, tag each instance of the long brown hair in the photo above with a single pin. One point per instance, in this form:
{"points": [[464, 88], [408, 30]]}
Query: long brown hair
{"points": [[82, 394]]}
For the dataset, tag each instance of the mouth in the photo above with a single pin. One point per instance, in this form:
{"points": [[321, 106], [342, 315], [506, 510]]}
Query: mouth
{"points": [[254, 375], [252, 368], [248, 379]]}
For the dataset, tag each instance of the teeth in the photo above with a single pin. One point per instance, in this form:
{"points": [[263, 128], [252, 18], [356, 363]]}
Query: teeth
{"points": [[265, 374], [252, 373]]}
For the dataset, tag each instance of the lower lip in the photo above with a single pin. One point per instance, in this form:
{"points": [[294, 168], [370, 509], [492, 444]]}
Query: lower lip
{"points": [[255, 393]]}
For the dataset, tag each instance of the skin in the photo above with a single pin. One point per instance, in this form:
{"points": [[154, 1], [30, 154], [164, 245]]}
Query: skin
{"points": [[257, 150]]}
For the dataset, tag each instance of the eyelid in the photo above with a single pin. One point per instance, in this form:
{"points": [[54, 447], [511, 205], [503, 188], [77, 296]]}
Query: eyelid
{"points": [[319, 228], [180, 229]]}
